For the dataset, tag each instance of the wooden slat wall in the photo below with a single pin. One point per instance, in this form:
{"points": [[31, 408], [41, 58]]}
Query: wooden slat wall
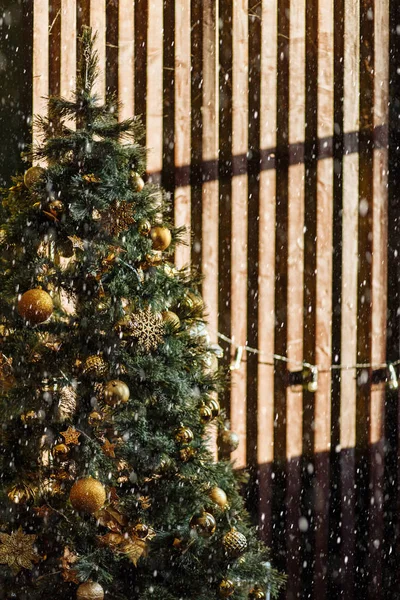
{"points": [[262, 119]]}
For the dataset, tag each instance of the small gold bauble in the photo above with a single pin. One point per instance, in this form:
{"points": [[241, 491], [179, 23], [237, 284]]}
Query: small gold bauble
{"points": [[56, 208], [144, 227], [206, 415], [187, 453], [137, 181], [215, 407], [35, 306], [256, 594], [90, 591], [171, 318], [235, 543], [161, 237], [87, 495], [95, 365], [226, 588], [95, 418], [60, 450], [204, 523], [116, 392], [141, 531], [32, 176], [218, 496], [184, 435], [228, 441]]}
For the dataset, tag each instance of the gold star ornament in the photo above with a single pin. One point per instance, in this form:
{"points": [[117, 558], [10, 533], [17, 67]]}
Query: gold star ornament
{"points": [[71, 436], [17, 550]]}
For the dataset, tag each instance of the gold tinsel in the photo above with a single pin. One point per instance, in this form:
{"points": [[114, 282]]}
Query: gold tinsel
{"points": [[17, 550], [148, 328], [118, 218]]}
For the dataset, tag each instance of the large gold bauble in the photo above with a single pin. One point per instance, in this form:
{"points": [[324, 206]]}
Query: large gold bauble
{"points": [[87, 495], [256, 594], [184, 435], [161, 237], [35, 306], [116, 392], [171, 318], [235, 543], [90, 591], [218, 496], [95, 365], [228, 441], [137, 181], [32, 176], [204, 523], [215, 407], [226, 588]]}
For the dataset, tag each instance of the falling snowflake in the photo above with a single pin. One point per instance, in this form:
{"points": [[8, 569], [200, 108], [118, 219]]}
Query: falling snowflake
{"points": [[148, 328]]}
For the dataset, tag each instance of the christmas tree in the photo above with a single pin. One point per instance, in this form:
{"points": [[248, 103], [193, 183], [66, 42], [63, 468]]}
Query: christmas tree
{"points": [[108, 383]]}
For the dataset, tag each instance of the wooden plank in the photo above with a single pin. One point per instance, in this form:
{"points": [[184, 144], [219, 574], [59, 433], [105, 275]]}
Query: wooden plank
{"points": [[379, 291], [266, 258], [323, 350], [154, 109], [68, 50], [40, 62], [182, 207], [126, 58], [348, 351], [98, 24], [54, 47], [295, 273], [210, 187], [239, 218]]}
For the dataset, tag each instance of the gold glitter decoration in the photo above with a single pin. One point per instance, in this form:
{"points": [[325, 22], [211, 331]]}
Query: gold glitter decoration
{"points": [[71, 436], [17, 550], [77, 242], [148, 329], [118, 218]]}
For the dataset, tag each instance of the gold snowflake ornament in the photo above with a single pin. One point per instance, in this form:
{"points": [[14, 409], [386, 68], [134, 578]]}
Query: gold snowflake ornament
{"points": [[17, 550], [148, 329], [118, 218]]}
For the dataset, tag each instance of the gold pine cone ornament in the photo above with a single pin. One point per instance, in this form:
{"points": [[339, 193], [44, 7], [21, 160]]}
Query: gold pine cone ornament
{"points": [[87, 495], [90, 590], [35, 306]]}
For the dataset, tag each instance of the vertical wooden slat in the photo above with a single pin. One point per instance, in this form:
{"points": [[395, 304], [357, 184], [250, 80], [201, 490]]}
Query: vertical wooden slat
{"points": [[210, 188], [68, 49], [266, 258], [348, 352], [239, 218], [379, 290], [294, 395], [323, 350], [40, 61], [98, 24], [154, 114], [126, 58], [182, 207]]}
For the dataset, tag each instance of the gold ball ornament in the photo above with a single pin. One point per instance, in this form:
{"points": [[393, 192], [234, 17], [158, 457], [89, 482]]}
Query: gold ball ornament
{"points": [[204, 523], [95, 418], [206, 415], [116, 392], [32, 176], [256, 594], [60, 450], [161, 237], [228, 441], [184, 435], [171, 318], [215, 407], [137, 181], [186, 454], [87, 495], [144, 227], [95, 365], [35, 306], [56, 208], [193, 301], [90, 590], [235, 543], [226, 588], [218, 496]]}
